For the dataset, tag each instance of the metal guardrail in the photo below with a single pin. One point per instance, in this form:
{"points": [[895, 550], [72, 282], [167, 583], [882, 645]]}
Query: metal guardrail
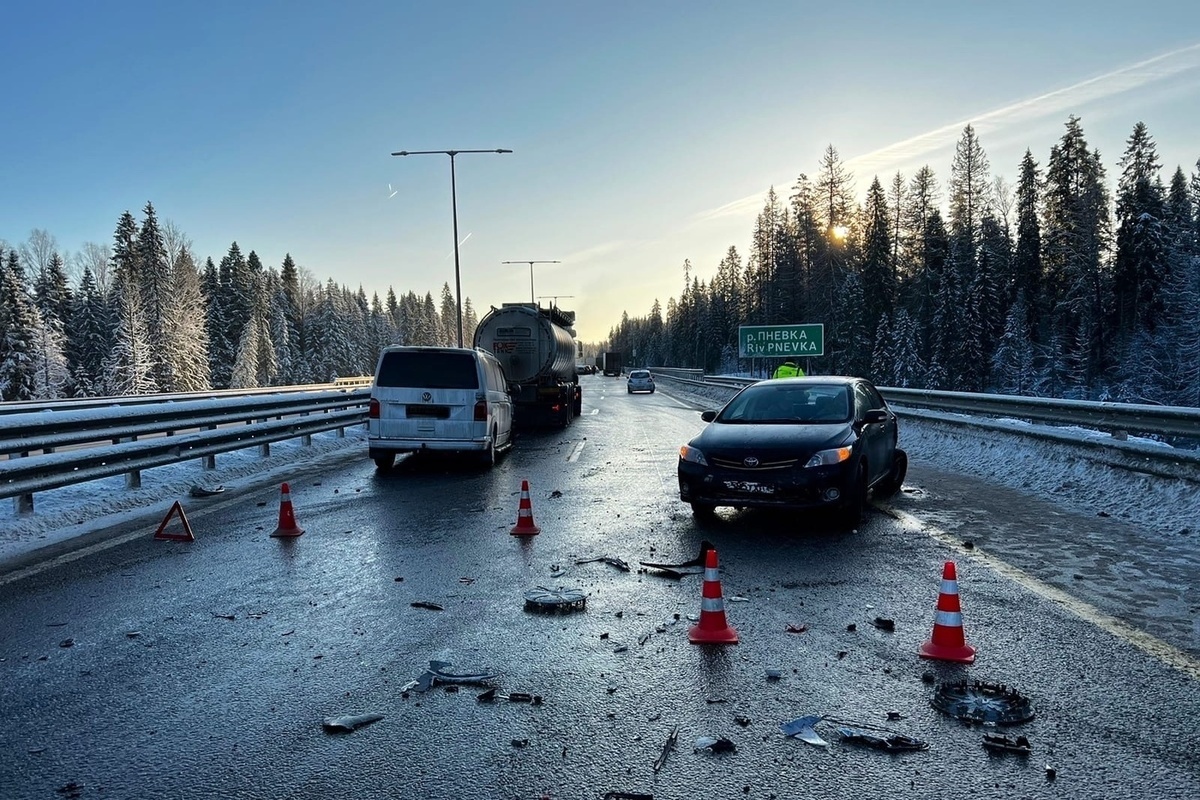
{"points": [[27, 406], [1118, 419], [182, 431]]}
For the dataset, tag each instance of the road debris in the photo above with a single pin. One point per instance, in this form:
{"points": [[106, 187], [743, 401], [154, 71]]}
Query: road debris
{"points": [[520, 742], [466, 581], [892, 743], [349, 723], [983, 702], [612, 561], [692, 566], [774, 674], [894, 715], [627, 796], [67, 643], [204, 491], [224, 616], [1000, 743], [427, 605], [551, 601], [714, 745], [743, 721], [884, 624], [796, 628], [667, 748], [436, 675], [803, 730]]}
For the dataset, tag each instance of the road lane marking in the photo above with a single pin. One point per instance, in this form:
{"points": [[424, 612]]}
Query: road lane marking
{"points": [[576, 450], [1152, 646]]}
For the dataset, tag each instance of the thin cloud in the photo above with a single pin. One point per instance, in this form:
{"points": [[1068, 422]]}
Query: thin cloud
{"points": [[1119, 81], [1060, 101], [583, 256]]}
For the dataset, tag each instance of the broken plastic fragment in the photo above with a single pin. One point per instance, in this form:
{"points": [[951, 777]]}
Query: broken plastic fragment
{"points": [[610, 560], [796, 628], [667, 748], [774, 674], [1001, 743], [436, 675], [714, 745], [423, 604], [802, 729], [893, 743], [884, 624], [349, 723], [203, 491]]}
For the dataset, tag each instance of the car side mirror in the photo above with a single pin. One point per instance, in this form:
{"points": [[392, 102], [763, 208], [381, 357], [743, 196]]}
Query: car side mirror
{"points": [[708, 416], [874, 415]]}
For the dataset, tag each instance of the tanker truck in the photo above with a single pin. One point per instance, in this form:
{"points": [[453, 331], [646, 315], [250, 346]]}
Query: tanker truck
{"points": [[536, 349]]}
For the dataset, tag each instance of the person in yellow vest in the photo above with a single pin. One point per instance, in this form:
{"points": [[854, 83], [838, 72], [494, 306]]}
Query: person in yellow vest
{"points": [[788, 369]]}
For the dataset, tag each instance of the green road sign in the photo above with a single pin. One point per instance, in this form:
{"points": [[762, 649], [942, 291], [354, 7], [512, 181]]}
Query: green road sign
{"points": [[770, 341]]}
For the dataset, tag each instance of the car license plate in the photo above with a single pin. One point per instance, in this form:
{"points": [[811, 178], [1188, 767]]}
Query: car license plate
{"points": [[749, 487]]}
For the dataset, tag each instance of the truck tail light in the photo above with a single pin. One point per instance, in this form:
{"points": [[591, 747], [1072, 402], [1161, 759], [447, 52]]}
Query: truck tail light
{"points": [[373, 409], [481, 411]]}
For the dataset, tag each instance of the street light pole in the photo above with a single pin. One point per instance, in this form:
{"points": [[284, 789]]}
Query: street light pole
{"points": [[454, 208], [531, 263]]}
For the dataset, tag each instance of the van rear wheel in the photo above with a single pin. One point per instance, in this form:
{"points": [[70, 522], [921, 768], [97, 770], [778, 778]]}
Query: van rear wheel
{"points": [[385, 462], [487, 458]]}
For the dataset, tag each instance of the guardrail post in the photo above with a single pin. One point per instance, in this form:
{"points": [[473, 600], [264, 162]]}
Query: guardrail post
{"points": [[23, 503], [306, 439], [133, 478], [264, 449], [210, 460]]}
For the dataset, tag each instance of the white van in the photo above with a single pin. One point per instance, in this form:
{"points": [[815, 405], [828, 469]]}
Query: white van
{"points": [[438, 398]]}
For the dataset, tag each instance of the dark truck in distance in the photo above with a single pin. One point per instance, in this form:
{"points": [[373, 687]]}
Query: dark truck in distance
{"points": [[612, 363]]}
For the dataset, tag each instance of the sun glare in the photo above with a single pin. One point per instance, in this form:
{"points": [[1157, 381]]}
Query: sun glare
{"points": [[840, 231]]}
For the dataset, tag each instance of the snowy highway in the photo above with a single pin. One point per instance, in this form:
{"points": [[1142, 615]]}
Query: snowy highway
{"points": [[206, 669]]}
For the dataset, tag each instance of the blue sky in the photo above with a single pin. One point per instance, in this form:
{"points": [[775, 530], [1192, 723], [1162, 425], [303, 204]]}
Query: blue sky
{"points": [[644, 133]]}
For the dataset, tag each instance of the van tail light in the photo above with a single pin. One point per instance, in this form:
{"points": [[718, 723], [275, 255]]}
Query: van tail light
{"points": [[481, 411], [373, 409]]}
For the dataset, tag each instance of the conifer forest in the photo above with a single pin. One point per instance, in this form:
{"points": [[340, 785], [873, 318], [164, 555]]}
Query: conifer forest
{"points": [[1057, 286], [1061, 285]]}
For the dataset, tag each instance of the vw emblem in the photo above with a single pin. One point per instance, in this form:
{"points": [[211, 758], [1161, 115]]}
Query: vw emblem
{"points": [[426, 396], [750, 462]]}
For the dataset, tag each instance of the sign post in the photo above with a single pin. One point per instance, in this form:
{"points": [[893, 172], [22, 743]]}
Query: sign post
{"points": [[781, 341]]}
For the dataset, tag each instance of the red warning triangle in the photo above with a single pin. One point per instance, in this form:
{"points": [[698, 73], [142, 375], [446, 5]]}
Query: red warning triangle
{"points": [[186, 536]]}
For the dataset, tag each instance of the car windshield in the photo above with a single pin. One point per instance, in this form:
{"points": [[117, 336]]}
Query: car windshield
{"points": [[782, 404]]}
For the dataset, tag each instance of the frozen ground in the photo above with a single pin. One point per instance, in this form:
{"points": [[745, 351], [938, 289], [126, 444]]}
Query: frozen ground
{"points": [[1068, 476]]}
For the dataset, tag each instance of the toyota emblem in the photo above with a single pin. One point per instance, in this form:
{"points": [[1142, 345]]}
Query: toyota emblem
{"points": [[750, 462], [426, 396]]}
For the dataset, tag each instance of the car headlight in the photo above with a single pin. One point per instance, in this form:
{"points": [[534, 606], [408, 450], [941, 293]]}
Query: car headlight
{"points": [[826, 458], [689, 453]]}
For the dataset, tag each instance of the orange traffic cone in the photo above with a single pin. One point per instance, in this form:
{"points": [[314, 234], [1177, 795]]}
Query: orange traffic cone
{"points": [[287, 520], [525, 526], [713, 629], [948, 642]]}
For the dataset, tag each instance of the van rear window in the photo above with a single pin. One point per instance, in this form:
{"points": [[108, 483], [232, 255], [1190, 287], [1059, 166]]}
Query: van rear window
{"points": [[416, 370]]}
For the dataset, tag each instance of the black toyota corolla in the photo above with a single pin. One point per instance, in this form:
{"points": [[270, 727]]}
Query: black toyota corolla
{"points": [[821, 442]]}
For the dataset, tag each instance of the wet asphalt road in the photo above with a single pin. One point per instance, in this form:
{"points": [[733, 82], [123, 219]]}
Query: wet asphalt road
{"points": [[198, 705]]}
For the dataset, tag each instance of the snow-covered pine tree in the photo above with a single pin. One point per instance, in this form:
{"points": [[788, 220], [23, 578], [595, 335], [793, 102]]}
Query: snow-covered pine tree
{"points": [[1013, 361], [186, 330], [18, 318], [128, 368], [155, 289], [1141, 256], [447, 335], [89, 337], [50, 374], [1027, 259], [908, 370], [878, 280], [245, 367]]}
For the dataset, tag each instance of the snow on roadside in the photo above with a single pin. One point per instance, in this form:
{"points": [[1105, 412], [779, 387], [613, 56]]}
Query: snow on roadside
{"points": [[72, 511]]}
